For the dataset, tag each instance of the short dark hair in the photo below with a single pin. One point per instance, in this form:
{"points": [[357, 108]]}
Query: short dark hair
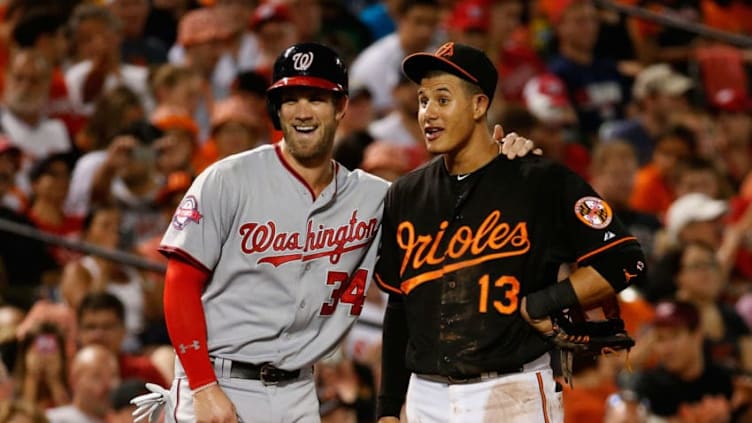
{"points": [[101, 301], [682, 133], [406, 5], [34, 25], [43, 166]]}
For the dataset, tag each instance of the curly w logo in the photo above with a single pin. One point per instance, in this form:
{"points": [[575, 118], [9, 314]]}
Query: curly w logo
{"points": [[302, 61]]}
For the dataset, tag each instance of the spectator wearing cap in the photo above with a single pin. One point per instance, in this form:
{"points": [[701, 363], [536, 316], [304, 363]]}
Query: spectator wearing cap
{"points": [[696, 217], [235, 128], [469, 24], [555, 124], [655, 183], [594, 84], [50, 180], [97, 34], [685, 384], [731, 110], [200, 45], [273, 25], [27, 86], [44, 32], [659, 93], [378, 66], [137, 47], [176, 147], [511, 48]]}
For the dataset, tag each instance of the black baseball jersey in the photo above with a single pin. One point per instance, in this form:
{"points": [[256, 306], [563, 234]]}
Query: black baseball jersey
{"points": [[463, 252]]}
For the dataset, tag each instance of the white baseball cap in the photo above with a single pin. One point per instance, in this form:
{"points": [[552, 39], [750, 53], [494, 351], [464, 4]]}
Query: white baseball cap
{"points": [[662, 79], [692, 207]]}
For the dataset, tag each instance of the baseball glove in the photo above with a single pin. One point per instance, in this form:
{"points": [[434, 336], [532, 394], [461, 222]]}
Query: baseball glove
{"points": [[590, 337]]}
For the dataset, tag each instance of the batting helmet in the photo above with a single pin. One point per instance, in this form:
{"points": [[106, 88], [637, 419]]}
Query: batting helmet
{"points": [[306, 65]]}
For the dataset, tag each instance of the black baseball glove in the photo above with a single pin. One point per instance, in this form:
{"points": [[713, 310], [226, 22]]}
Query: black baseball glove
{"points": [[590, 337]]}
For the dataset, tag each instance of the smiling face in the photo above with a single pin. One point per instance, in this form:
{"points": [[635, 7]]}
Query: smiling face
{"points": [[445, 105], [309, 119]]}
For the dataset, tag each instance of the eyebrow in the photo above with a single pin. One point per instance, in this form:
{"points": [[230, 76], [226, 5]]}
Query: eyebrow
{"points": [[440, 89]]}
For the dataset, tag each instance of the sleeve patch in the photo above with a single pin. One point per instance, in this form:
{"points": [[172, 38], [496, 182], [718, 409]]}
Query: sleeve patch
{"points": [[593, 212], [186, 213]]}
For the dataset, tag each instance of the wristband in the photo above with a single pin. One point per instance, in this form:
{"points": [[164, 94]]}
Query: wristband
{"points": [[554, 298]]}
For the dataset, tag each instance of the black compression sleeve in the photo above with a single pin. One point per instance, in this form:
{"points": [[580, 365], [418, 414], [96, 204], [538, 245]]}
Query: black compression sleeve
{"points": [[549, 300], [394, 376]]}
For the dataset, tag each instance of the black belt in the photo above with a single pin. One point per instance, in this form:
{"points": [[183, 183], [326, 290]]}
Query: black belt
{"points": [[265, 372], [453, 380]]}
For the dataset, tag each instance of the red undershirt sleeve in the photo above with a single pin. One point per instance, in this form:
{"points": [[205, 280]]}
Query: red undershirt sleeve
{"points": [[186, 323]]}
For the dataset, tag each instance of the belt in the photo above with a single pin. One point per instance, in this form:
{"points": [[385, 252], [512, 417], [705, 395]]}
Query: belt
{"points": [[460, 380], [265, 372]]}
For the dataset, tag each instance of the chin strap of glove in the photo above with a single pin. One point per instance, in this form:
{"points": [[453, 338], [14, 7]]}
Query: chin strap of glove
{"points": [[149, 406], [587, 338]]}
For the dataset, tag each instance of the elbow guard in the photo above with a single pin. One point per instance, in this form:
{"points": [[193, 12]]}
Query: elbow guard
{"points": [[621, 267]]}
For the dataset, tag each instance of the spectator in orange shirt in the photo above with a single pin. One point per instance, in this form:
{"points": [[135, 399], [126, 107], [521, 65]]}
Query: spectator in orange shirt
{"points": [[656, 181]]}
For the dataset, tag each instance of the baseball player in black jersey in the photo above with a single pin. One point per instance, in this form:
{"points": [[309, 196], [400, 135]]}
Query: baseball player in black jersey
{"points": [[470, 250]]}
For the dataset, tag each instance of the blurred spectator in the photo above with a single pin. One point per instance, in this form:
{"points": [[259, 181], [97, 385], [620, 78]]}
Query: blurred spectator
{"points": [[23, 260], [137, 47], [659, 93], [177, 87], [346, 393], [349, 150], [122, 409], [27, 86], [163, 18], [59, 315], [469, 24], [624, 407], [734, 138], [385, 160], [554, 128], [400, 126], [594, 84], [379, 17], [11, 196], [728, 15], [342, 30], [179, 142], [201, 38], [701, 175], [685, 381], [612, 174], [97, 34], [655, 183], [666, 43], [128, 177], [91, 274], [511, 48], [40, 371], [235, 128], [16, 411], [307, 17], [44, 32], [700, 281], [695, 217], [593, 381], [101, 318], [251, 87], [378, 66], [359, 116], [241, 44], [50, 180], [93, 376]]}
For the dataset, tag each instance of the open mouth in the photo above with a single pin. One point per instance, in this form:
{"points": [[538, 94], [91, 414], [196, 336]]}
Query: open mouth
{"points": [[304, 129], [432, 132]]}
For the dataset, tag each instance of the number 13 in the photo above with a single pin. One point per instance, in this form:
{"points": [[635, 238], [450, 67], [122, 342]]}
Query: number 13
{"points": [[508, 304]]}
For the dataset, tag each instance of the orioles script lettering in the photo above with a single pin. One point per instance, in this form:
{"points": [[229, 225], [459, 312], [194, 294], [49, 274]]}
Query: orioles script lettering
{"points": [[325, 241], [492, 239]]}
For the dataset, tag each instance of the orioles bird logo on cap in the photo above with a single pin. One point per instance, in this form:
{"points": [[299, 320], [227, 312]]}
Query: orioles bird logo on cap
{"points": [[446, 50]]}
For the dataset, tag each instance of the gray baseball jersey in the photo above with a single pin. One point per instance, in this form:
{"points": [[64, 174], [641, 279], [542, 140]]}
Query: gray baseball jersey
{"points": [[288, 273]]}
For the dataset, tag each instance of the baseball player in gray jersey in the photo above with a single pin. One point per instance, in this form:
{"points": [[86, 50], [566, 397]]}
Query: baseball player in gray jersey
{"points": [[270, 255]]}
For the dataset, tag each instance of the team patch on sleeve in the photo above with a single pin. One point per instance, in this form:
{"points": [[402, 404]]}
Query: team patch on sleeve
{"points": [[187, 212], [594, 212]]}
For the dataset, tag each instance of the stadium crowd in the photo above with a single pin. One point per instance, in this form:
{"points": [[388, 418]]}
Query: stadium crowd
{"points": [[110, 108]]}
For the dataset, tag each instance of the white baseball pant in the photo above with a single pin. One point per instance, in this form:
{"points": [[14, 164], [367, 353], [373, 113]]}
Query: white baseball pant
{"points": [[528, 396]]}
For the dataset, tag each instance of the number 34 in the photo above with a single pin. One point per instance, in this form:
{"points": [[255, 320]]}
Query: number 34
{"points": [[349, 290], [511, 288]]}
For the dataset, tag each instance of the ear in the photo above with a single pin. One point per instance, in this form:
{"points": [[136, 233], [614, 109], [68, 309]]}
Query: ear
{"points": [[480, 106], [341, 107]]}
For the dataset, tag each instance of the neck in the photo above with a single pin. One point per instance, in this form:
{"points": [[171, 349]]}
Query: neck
{"points": [[83, 405], [48, 213], [31, 119], [576, 55], [477, 152], [317, 172]]}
